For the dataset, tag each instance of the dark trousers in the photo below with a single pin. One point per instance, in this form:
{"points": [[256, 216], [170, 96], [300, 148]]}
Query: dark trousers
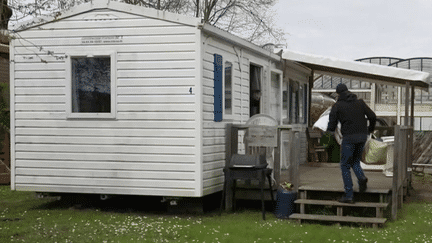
{"points": [[350, 158]]}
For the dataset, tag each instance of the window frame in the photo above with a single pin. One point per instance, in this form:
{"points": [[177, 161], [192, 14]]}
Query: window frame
{"points": [[113, 86]]}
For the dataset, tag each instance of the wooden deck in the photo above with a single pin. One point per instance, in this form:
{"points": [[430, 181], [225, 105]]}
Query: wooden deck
{"points": [[328, 177], [320, 184]]}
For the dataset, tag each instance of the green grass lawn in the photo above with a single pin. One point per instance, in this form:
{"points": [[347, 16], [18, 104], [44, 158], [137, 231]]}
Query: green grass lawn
{"points": [[25, 218]]}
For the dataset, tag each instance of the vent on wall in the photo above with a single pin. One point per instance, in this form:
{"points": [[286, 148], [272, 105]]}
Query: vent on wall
{"points": [[101, 17]]}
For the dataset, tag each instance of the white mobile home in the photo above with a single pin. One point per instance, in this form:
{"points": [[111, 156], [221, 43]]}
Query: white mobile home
{"points": [[111, 98]]}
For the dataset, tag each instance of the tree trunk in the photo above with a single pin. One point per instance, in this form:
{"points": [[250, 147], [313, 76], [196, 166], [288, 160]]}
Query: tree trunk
{"points": [[197, 8]]}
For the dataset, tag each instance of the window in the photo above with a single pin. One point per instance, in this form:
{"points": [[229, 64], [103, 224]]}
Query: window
{"points": [[275, 95], [294, 102], [285, 110], [223, 88], [303, 103], [228, 88], [255, 91], [91, 89]]}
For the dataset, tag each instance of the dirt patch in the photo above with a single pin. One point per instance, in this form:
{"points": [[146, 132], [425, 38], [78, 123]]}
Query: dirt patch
{"points": [[421, 192]]}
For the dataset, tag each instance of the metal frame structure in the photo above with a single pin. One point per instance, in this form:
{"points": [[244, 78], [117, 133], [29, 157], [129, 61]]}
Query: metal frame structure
{"points": [[387, 100]]}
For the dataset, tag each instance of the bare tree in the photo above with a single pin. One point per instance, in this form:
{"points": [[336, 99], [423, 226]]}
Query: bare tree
{"points": [[176, 6], [252, 20], [5, 14], [27, 9]]}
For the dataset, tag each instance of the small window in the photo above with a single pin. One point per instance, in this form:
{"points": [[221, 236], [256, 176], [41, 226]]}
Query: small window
{"points": [[303, 103], [228, 88], [295, 99], [275, 96], [285, 107], [223, 88], [255, 91], [91, 87]]}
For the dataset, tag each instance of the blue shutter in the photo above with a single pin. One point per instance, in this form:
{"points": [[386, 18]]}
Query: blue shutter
{"points": [[218, 89]]}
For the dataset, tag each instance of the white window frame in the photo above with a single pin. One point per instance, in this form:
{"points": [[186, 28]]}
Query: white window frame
{"points": [[86, 115]]}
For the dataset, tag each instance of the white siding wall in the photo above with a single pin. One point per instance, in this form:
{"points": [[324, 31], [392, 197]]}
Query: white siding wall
{"points": [[214, 132], [151, 146]]}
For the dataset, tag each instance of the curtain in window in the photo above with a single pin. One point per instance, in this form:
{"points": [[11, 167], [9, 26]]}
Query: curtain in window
{"points": [[228, 88], [255, 90], [91, 84]]}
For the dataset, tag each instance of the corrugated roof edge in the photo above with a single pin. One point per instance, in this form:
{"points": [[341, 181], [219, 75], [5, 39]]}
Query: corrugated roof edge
{"points": [[370, 70]]}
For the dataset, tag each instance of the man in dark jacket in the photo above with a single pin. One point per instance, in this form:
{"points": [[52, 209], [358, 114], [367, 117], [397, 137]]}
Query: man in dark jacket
{"points": [[351, 113]]}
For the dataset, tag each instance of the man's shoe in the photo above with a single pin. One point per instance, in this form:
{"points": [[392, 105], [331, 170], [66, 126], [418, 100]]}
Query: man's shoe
{"points": [[345, 199], [363, 185]]}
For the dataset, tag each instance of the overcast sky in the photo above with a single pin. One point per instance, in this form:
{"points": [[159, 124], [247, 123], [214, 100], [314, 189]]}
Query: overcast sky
{"points": [[353, 29]]}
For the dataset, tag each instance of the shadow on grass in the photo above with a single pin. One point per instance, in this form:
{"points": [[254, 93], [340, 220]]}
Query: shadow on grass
{"points": [[116, 204], [134, 204]]}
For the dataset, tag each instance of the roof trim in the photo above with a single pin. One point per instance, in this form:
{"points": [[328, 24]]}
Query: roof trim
{"points": [[149, 13], [116, 6], [226, 36], [359, 70]]}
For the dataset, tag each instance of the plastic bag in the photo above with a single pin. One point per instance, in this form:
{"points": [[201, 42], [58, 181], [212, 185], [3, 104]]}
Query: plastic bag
{"points": [[375, 152], [322, 124]]}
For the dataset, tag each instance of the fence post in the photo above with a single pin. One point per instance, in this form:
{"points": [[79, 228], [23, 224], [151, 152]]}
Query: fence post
{"points": [[410, 156], [296, 160], [231, 147], [396, 157], [402, 167], [277, 159]]}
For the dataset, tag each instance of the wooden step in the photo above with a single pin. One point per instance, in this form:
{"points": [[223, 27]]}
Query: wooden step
{"points": [[336, 203], [338, 188], [374, 221], [376, 196]]}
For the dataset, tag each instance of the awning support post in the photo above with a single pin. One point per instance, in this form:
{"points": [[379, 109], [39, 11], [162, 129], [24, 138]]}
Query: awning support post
{"points": [[407, 87], [412, 105]]}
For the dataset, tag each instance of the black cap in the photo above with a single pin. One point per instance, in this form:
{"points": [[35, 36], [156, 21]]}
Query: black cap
{"points": [[341, 88]]}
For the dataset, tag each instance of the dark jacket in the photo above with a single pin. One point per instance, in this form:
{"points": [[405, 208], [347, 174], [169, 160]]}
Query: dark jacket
{"points": [[351, 112]]}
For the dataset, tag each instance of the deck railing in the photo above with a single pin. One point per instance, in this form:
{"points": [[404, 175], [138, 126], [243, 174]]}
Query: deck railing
{"points": [[232, 144], [284, 139], [286, 144], [403, 155]]}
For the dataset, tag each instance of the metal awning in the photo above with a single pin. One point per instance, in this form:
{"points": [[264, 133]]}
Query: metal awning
{"points": [[359, 70]]}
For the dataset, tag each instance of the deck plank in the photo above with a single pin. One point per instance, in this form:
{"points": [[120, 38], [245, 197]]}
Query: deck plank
{"points": [[328, 177], [338, 218], [336, 203]]}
